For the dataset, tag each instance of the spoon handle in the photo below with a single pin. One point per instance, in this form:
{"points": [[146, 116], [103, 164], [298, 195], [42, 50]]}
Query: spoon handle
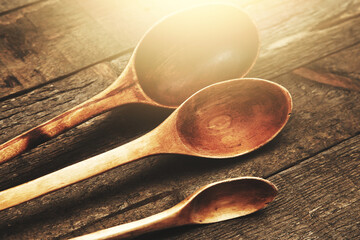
{"points": [[123, 90], [126, 153], [166, 219]]}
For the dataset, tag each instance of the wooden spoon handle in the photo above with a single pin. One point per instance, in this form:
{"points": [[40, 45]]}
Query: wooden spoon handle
{"points": [[79, 171], [166, 219], [124, 90]]}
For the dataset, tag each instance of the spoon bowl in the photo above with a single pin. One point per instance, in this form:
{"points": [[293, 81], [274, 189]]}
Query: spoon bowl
{"points": [[223, 120], [230, 199], [193, 49], [179, 55], [250, 114], [215, 202]]}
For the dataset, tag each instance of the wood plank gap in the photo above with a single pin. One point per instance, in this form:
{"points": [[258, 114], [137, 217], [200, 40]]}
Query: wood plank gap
{"points": [[21, 7], [316, 59], [19, 93], [131, 207], [129, 50], [310, 156], [162, 195]]}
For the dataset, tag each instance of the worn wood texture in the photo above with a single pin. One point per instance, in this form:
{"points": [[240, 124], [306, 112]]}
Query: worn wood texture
{"points": [[323, 117], [318, 199], [7, 6], [331, 116], [340, 69], [48, 40], [52, 39]]}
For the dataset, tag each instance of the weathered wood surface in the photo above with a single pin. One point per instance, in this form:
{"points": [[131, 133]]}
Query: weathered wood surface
{"points": [[52, 39], [340, 69], [324, 118], [331, 117], [7, 6], [318, 199]]}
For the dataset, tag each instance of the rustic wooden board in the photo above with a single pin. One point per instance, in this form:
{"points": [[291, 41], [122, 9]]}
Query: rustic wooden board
{"points": [[7, 6], [51, 39], [340, 69], [323, 116], [318, 199]]}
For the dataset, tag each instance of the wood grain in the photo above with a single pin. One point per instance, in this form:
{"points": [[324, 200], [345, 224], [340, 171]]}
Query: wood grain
{"points": [[212, 203], [61, 95], [51, 39], [323, 117], [340, 69], [330, 117], [314, 198], [7, 6], [147, 83]]}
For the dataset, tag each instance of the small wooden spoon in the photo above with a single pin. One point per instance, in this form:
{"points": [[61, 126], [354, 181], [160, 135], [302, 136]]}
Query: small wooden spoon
{"points": [[223, 120], [213, 203], [179, 55]]}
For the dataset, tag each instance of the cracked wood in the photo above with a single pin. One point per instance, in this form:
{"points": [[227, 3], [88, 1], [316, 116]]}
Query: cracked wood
{"points": [[51, 39]]}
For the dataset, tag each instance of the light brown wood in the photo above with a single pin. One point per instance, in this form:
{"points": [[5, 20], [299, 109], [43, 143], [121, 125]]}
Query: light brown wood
{"points": [[317, 200], [330, 71], [123, 91], [167, 66], [53, 39], [7, 6], [212, 203], [223, 120]]}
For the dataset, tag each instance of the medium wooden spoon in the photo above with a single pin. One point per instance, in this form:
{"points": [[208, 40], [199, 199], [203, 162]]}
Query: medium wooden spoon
{"points": [[223, 120], [178, 56], [213, 203]]}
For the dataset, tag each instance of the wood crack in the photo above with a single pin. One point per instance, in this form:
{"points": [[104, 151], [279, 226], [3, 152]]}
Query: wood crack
{"points": [[21, 7], [17, 94], [330, 78], [332, 22], [146, 201], [310, 156]]}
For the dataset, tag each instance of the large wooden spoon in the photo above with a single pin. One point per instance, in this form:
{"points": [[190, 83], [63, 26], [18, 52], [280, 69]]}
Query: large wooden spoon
{"points": [[223, 120], [213, 203], [179, 55]]}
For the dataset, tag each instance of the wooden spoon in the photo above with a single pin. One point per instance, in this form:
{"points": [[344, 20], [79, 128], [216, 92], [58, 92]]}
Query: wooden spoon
{"points": [[212, 203], [179, 55], [223, 120]]}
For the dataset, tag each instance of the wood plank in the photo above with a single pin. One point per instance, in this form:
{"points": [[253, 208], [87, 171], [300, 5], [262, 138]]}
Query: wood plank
{"points": [[7, 6], [334, 71], [48, 40], [136, 190], [55, 38], [297, 32], [57, 97], [318, 199]]}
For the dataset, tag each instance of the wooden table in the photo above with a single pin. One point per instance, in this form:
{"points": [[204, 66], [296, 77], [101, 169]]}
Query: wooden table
{"points": [[55, 54]]}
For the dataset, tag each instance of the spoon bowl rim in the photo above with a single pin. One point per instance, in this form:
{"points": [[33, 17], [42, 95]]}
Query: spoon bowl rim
{"points": [[192, 152], [131, 63], [187, 202]]}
